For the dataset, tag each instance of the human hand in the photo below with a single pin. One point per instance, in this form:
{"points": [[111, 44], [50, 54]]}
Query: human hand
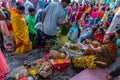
{"points": [[109, 77], [87, 41], [66, 22]]}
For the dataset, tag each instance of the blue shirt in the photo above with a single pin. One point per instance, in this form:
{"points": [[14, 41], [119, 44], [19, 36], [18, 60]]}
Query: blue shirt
{"points": [[118, 43], [55, 14]]}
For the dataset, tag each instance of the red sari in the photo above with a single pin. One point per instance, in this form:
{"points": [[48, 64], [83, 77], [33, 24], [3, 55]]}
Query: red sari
{"points": [[4, 69]]}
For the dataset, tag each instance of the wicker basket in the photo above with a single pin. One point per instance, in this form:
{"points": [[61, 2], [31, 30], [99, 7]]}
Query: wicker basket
{"points": [[47, 72]]}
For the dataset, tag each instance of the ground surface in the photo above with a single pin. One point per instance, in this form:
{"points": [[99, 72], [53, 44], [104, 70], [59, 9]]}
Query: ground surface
{"points": [[15, 62]]}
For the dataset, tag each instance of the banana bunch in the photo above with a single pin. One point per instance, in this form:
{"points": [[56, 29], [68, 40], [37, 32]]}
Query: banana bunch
{"points": [[85, 62]]}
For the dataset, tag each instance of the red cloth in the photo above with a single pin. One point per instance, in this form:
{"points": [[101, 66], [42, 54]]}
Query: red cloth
{"points": [[4, 4], [4, 69], [100, 14], [99, 37], [9, 26], [24, 78], [3, 77]]}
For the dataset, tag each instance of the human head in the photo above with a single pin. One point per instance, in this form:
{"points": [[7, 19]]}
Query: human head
{"points": [[18, 3], [31, 11], [105, 25], [11, 78], [65, 3], [94, 29], [20, 9], [94, 9], [108, 38], [117, 33], [103, 8], [100, 31]]}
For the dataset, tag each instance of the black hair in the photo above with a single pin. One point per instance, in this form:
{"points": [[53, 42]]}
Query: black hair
{"points": [[11, 78], [67, 1], [94, 29], [18, 3], [112, 36], [97, 25], [7, 13], [20, 7], [108, 9], [31, 9], [118, 30], [103, 8], [102, 30], [94, 9]]}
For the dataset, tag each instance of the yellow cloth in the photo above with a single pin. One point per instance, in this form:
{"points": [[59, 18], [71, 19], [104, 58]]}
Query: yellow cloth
{"points": [[88, 11], [108, 54], [62, 38], [116, 10], [105, 16], [20, 31]]}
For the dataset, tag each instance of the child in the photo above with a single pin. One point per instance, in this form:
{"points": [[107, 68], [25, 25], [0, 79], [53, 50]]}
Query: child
{"points": [[31, 20], [88, 35], [99, 35]]}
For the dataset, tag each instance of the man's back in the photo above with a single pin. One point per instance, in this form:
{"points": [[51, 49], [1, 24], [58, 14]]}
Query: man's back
{"points": [[55, 14]]}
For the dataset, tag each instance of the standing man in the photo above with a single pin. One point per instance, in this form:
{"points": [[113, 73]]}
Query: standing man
{"points": [[52, 17]]}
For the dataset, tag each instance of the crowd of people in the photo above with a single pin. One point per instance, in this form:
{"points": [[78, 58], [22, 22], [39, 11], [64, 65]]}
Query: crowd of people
{"points": [[100, 18]]}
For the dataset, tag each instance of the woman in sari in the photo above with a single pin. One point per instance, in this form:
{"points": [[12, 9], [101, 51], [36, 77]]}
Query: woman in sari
{"points": [[4, 69], [107, 52], [20, 30], [7, 36]]}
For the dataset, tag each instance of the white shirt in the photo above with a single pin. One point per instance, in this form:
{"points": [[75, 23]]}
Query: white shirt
{"points": [[55, 14]]}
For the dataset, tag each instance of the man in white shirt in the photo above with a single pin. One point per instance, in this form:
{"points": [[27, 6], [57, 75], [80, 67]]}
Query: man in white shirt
{"points": [[52, 17]]}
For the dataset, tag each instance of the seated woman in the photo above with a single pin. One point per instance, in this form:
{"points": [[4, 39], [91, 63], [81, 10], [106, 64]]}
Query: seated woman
{"points": [[107, 52], [99, 35]]}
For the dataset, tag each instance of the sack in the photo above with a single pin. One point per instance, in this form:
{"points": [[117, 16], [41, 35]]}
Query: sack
{"points": [[74, 33], [9, 43], [39, 26]]}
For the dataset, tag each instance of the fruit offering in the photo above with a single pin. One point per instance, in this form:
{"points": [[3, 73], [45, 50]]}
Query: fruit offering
{"points": [[85, 62]]}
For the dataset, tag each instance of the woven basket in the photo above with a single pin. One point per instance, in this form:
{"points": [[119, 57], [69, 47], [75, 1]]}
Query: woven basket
{"points": [[47, 72]]}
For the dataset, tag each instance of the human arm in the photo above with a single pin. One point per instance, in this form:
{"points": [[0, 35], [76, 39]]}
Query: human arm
{"points": [[98, 49], [45, 12], [43, 16]]}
